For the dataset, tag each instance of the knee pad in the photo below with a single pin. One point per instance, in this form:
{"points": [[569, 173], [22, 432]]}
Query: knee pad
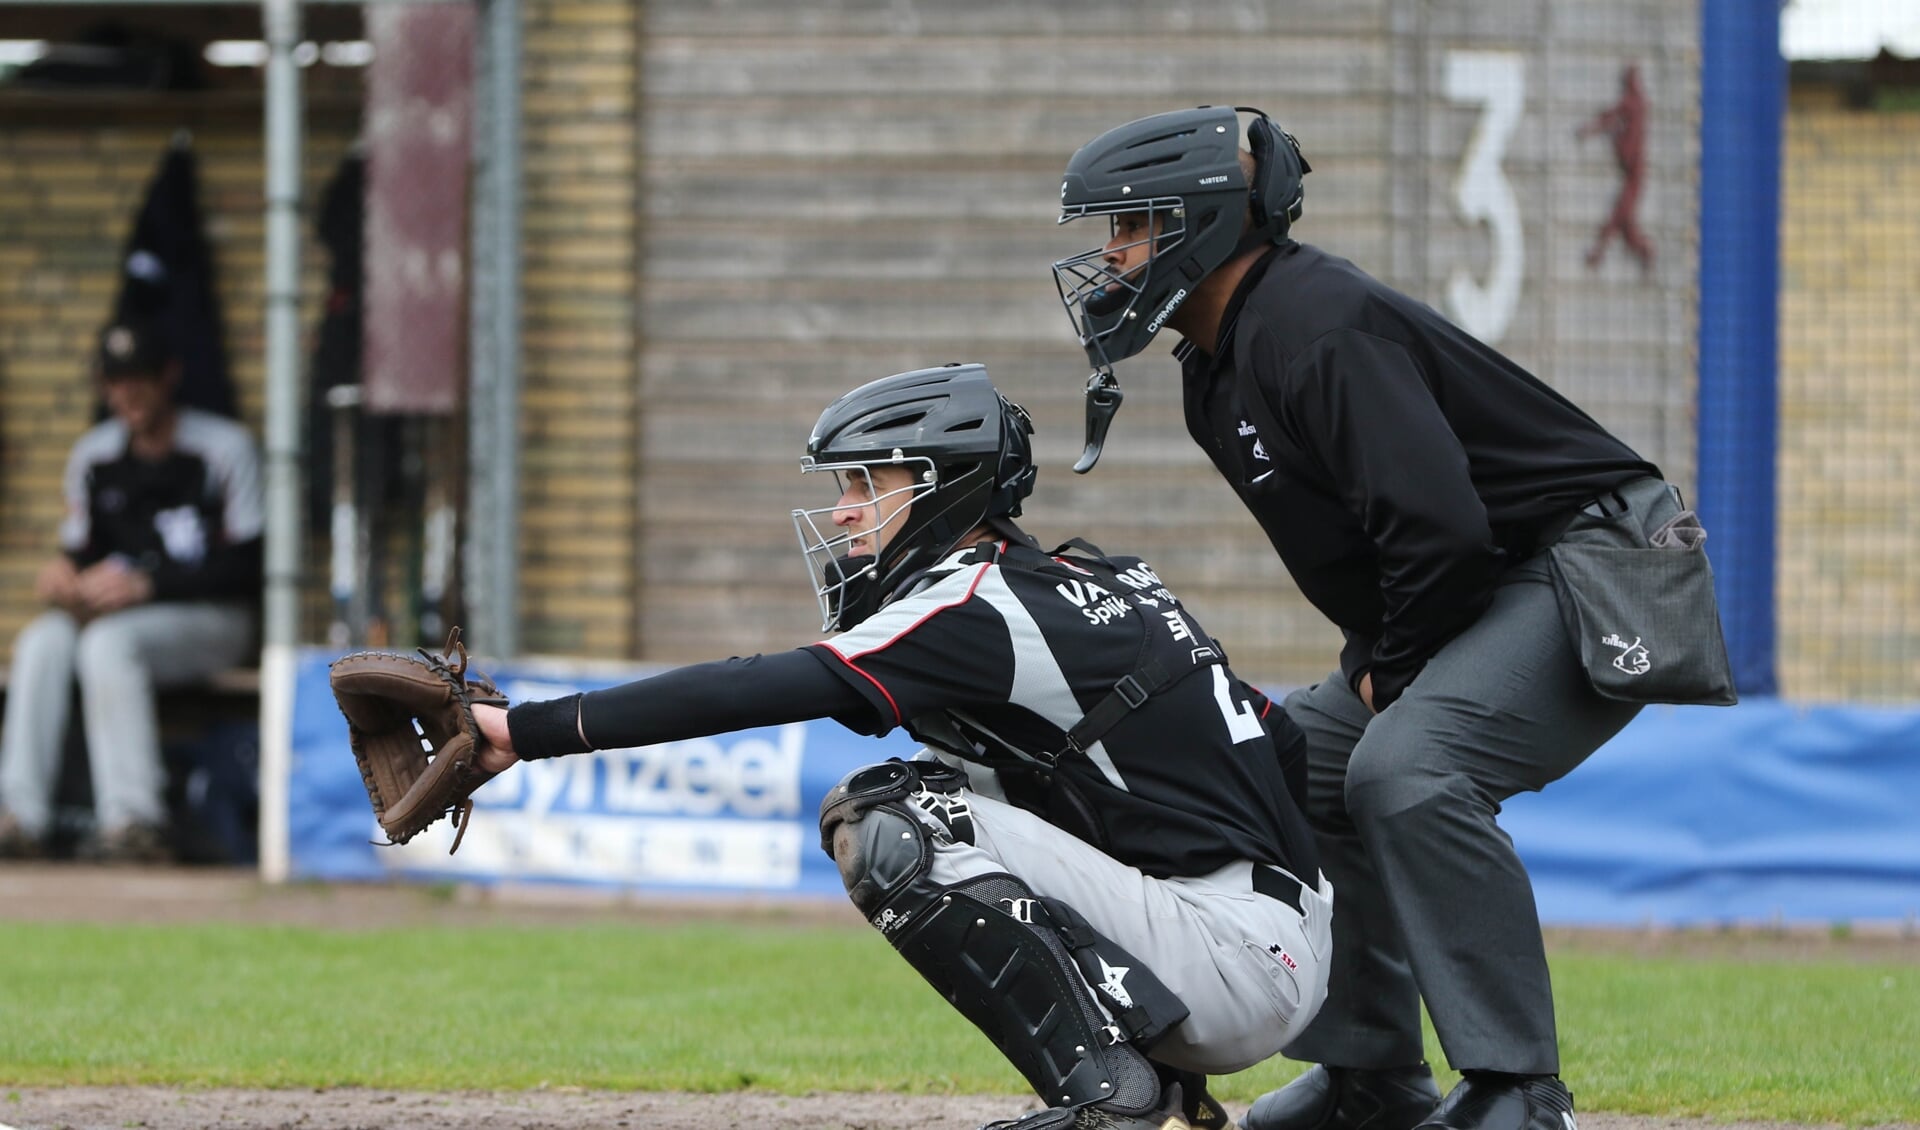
{"points": [[869, 824]]}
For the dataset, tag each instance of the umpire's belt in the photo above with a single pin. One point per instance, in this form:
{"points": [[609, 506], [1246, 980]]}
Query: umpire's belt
{"points": [[1274, 883]]}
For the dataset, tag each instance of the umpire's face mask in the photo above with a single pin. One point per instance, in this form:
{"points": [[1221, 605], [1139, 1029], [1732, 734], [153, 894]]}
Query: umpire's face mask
{"points": [[843, 544]]}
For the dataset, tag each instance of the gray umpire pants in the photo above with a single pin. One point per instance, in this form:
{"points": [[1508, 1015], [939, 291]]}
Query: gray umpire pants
{"points": [[119, 660], [1434, 902]]}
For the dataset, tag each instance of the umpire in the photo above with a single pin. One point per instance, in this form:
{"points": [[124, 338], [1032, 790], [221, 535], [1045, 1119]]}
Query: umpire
{"points": [[1410, 477]]}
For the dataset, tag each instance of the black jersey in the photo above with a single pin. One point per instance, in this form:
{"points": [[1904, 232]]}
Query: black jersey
{"points": [[192, 520], [1007, 649]]}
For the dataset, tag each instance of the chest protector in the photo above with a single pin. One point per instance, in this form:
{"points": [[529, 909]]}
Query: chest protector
{"points": [[1031, 776]]}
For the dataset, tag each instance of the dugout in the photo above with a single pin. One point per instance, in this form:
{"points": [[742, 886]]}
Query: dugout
{"points": [[113, 87]]}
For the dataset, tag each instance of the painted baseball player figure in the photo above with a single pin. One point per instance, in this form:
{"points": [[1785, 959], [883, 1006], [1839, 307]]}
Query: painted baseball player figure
{"points": [[1097, 857], [1625, 124]]}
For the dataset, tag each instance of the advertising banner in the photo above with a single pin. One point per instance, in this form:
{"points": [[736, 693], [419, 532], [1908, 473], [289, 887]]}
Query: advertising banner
{"points": [[1762, 812]]}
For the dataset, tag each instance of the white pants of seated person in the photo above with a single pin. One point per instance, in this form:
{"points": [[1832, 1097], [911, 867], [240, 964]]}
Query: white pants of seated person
{"points": [[1250, 970], [120, 660]]}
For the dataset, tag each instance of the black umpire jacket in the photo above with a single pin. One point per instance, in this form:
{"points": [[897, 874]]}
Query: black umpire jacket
{"points": [[1397, 463]]}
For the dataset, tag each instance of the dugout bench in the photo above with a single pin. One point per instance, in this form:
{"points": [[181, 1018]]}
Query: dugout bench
{"points": [[210, 741]]}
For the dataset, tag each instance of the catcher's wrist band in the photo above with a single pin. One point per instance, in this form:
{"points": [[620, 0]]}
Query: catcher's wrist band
{"points": [[546, 729]]}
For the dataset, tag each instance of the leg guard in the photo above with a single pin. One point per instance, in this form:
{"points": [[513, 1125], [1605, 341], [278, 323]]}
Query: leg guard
{"points": [[988, 944]]}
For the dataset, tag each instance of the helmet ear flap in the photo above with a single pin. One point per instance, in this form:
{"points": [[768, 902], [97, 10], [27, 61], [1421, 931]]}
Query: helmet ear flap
{"points": [[1260, 142], [1278, 166]]}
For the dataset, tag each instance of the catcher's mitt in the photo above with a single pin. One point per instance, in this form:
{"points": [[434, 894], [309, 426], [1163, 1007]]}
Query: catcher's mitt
{"points": [[414, 735]]}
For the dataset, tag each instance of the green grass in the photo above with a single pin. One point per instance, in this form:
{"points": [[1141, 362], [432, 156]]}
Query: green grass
{"points": [[711, 1007]]}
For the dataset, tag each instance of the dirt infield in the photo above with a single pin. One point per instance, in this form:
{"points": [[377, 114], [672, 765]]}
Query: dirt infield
{"points": [[157, 1108], [68, 893]]}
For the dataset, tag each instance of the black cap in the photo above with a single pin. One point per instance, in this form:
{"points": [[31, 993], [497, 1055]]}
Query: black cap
{"points": [[129, 349]]}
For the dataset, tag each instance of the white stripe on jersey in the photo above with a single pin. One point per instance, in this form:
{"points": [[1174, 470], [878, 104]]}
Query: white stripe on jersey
{"points": [[1038, 683], [233, 464], [902, 616]]}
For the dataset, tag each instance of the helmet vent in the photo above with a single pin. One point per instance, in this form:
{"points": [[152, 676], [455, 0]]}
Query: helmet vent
{"points": [[1148, 164], [966, 426], [911, 416], [1157, 138]]}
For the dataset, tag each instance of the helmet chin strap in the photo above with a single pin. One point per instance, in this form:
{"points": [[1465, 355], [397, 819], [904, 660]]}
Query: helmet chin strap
{"points": [[1103, 400]]}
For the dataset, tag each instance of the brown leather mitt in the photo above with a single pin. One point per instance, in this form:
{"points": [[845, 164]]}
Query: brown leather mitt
{"points": [[411, 722]]}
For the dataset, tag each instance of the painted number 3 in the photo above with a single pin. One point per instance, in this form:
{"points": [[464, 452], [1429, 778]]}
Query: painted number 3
{"points": [[1497, 81], [1242, 723]]}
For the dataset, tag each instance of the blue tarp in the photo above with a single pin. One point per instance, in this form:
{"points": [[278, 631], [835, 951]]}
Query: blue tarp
{"points": [[1692, 815], [1754, 812]]}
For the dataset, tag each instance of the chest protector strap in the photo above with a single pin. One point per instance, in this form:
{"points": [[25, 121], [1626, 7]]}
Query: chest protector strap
{"points": [[1149, 676]]}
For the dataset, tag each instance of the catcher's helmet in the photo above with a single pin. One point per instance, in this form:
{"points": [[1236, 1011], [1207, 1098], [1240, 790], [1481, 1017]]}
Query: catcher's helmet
{"points": [[972, 458], [1183, 170]]}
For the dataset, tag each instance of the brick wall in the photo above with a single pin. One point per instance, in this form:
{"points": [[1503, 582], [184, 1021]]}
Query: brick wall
{"points": [[579, 459], [1849, 551]]}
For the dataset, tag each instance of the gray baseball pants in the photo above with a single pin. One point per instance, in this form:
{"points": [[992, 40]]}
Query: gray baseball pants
{"points": [[1434, 903], [120, 660]]}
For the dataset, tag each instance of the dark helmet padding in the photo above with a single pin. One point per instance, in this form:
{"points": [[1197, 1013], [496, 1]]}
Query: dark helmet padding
{"points": [[1276, 196]]}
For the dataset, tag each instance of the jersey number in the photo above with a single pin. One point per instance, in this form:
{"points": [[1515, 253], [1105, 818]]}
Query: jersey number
{"points": [[1243, 725]]}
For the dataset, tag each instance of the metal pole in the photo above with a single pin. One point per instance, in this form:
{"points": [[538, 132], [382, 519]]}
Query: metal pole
{"points": [[280, 20], [492, 580]]}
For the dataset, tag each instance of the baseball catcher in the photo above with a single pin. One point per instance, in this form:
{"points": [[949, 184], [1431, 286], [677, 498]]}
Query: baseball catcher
{"points": [[1096, 858], [411, 724]]}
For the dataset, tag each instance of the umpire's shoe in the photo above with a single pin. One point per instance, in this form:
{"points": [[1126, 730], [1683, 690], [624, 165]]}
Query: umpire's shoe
{"points": [[1348, 1098], [1486, 1100]]}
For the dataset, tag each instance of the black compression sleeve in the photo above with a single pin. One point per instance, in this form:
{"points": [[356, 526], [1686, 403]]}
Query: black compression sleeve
{"points": [[546, 729], [717, 698]]}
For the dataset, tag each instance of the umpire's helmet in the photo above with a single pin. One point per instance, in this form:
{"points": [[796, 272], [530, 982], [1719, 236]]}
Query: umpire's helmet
{"points": [[972, 458], [1183, 169]]}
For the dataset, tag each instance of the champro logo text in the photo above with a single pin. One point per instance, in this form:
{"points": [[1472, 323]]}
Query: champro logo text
{"points": [[1166, 311]]}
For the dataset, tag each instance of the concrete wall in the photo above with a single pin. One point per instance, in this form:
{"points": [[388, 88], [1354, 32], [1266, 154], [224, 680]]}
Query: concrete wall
{"points": [[833, 193]]}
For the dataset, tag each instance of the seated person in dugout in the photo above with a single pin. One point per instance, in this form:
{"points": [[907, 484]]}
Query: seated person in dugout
{"points": [[1097, 857], [155, 585]]}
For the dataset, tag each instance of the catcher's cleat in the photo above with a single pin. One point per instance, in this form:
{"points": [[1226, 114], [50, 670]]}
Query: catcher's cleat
{"points": [[1099, 1116], [1201, 1110], [1348, 1098]]}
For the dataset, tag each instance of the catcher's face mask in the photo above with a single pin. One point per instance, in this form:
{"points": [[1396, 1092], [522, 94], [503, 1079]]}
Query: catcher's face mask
{"points": [[844, 544]]}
